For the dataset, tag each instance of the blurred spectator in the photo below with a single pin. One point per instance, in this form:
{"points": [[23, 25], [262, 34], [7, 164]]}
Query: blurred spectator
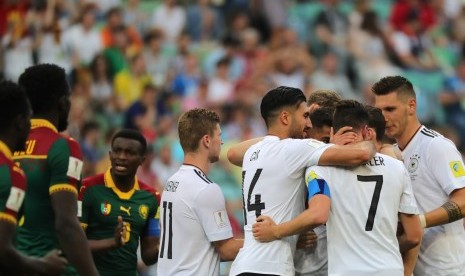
{"points": [[171, 18], [331, 27], [203, 22], [129, 84], [146, 174], [186, 82], [230, 47], [220, 87], [82, 41], [402, 11], [159, 65], [163, 164], [133, 16], [453, 101], [102, 87], [114, 19], [117, 54], [89, 142]]}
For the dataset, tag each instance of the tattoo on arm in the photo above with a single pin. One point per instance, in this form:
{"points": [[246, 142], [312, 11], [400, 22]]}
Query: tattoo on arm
{"points": [[453, 211]]}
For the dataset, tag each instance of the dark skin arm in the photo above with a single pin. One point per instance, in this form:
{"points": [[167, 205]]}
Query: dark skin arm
{"points": [[149, 247], [70, 234], [15, 262]]}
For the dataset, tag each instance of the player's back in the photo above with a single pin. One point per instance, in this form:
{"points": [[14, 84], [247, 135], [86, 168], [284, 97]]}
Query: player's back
{"points": [[273, 185], [185, 247], [51, 163], [365, 202]]}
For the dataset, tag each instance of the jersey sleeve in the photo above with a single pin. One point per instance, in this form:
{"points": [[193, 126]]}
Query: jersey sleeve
{"points": [[446, 164], [408, 204], [316, 182], [303, 153], [83, 207], [12, 192], [152, 228], [209, 206], [65, 161]]}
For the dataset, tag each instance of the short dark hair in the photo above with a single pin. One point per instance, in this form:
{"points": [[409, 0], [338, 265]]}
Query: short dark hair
{"points": [[392, 84], [350, 113], [376, 121], [324, 97], [193, 125], [132, 135], [278, 98], [322, 116], [13, 102], [45, 84]]}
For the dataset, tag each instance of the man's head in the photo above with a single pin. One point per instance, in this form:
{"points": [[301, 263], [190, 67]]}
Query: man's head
{"points": [[48, 91], [397, 100], [322, 121], [199, 130], [285, 106], [15, 114], [352, 113], [128, 149], [322, 98]]}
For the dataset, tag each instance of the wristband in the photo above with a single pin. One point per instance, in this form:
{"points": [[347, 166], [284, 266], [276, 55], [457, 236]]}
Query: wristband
{"points": [[422, 220]]}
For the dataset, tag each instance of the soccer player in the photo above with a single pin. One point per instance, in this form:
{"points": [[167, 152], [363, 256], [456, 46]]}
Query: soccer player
{"points": [[363, 204], [117, 209], [52, 163], [273, 181], [195, 228], [438, 178], [15, 112]]}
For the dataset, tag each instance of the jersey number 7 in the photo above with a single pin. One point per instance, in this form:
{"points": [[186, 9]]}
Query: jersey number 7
{"points": [[375, 199], [257, 206]]}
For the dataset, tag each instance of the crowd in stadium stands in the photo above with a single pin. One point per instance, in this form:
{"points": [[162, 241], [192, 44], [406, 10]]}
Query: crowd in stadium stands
{"points": [[140, 63]]}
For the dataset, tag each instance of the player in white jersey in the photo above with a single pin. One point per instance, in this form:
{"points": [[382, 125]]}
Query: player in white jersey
{"points": [[273, 182], [363, 202], [438, 178], [195, 228]]}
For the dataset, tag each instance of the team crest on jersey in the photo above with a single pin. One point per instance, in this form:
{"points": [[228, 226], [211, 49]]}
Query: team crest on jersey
{"points": [[457, 168], [413, 163], [105, 208], [143, 211]]}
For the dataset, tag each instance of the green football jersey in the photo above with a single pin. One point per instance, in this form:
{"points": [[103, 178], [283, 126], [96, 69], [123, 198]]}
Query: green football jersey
{"points": [[100, 204], [52, 163]]}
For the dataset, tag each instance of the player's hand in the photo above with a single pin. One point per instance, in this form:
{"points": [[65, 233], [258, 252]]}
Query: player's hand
{"points": [[343, 136], [307, 240], [264, 229], [120, 232], [53, 263]]}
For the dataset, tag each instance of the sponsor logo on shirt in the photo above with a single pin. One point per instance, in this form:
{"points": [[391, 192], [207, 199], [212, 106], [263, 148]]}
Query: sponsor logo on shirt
{"points": [[221, 218], [143, 211], [126, 210], [457, 168], [15, 199], [105, 208], [74, 168]]}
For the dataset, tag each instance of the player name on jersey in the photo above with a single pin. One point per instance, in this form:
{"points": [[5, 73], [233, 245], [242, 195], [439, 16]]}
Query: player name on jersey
{"points": [[376, 161]]}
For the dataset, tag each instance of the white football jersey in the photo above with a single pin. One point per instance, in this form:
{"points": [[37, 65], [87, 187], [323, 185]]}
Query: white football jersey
{"points": [[313, 261], [436, 169], [362, 225], [192, 216], [273, 185]]}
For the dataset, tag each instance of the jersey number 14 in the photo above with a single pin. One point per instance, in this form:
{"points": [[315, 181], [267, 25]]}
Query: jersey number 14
{"points": [[258, 205]]}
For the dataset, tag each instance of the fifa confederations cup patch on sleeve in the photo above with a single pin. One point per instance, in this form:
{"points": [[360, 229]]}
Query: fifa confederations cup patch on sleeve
{"points": [[457, 168], [74, 168], [15, 199]]}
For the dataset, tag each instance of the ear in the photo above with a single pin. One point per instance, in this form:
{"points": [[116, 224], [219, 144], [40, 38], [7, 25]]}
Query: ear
{"points": [[285, 117], [412, 106], [206, 141], [370, 134]]}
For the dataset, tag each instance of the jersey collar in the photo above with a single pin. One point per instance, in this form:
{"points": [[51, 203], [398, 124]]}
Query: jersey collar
{"points": [[110, 183], [5, 150], [35, 123]]}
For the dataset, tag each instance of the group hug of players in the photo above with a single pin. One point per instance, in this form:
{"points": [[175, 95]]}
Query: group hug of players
{"points": [[354, 206]]}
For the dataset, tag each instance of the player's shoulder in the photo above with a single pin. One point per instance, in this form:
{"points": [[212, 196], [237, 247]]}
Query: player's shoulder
{"points": [[94, 180], [149, 189]]}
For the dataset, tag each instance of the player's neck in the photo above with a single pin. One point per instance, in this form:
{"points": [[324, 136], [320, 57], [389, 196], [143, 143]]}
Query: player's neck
{"points": [[124, 183], [197, 160], [279, 132], [408, 134]]}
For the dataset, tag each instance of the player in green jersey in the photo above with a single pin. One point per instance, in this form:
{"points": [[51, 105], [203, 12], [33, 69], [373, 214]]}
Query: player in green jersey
{"points": [[15, 112], [108, 199], [52, 163]]}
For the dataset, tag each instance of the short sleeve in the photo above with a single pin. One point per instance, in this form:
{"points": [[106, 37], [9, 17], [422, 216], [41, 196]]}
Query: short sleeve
{"points": [[83, 206], [65, 161], [302, 153], [446, 164], [408, 204], [316, 182], [12, 193], [211, 211]]}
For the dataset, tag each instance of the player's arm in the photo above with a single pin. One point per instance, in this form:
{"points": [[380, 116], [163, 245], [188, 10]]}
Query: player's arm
{"points": [[64, 181], [236, 153], [150, 240], [348, 155], [114, 242], [14, 262], [265, 229], [451, 211], [412, 231], [228, 249]]}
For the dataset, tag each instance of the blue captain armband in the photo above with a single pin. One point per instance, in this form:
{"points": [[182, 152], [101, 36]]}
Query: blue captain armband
{"points": [[153, 228], [316, 185]]}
